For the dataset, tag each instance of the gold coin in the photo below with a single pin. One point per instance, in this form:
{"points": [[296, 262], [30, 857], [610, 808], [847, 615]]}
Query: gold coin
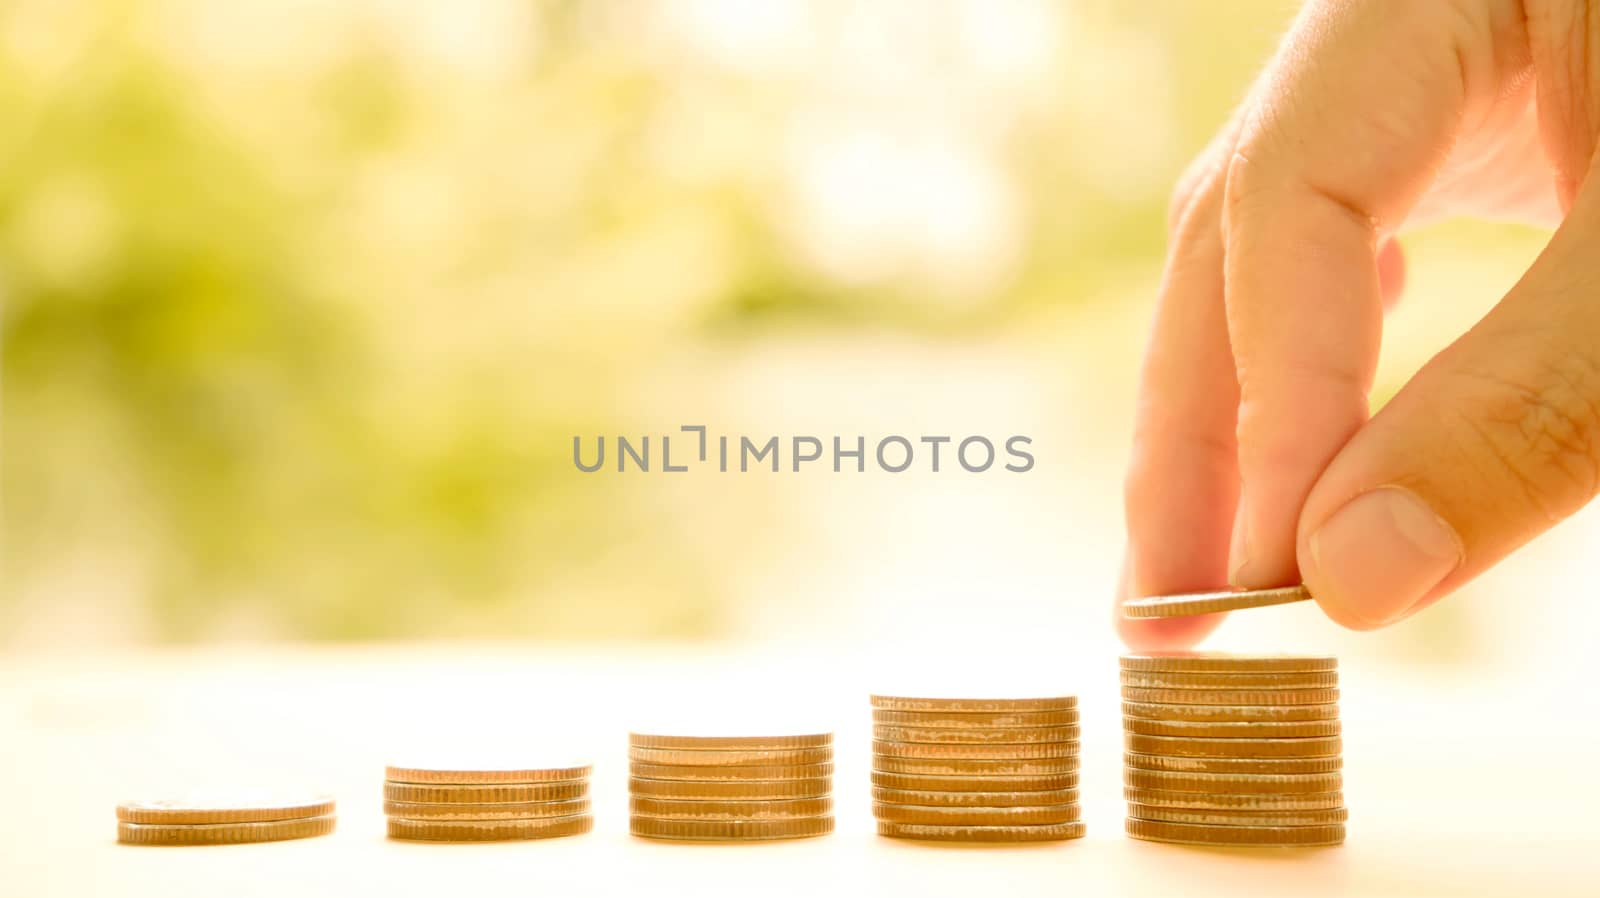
{"points": [[1224, 662], [486, 777], [679, 809], [975, 736], [975, 785], [1231, 713], [729, 830], [436, 794], [506, 810], [977, 705], [1050, 832], [1298, 801], [1234, 765], [223, 833], [1318, 817], [754, 790], [941, 799], [488, 830], [962, 720], [1212, 602], [732, 757], [1231, 696], [1007, 816], [729, 774], [725, 743], [1232, 782], [975, 767], [990, 751], [1232, 748], [1261, 836], [1306, 679], [1287, 729], [241, 808]]}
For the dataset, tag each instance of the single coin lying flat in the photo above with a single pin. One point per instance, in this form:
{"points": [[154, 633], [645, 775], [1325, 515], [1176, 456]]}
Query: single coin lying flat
{"points": [[1253, 729], [1263, 801], [1048, 832], [1310, 679], [485, 776], [223, 833], [736, 773], [752, 790], [975, 767], [696, 809], [1257, 836], [1212, 602], [730, 743], [964, 720], [515, 793], [945, 799], [1225, 662], [488, 830], [732, 757], [520, 810], [985, 751], [1231, 713], [974, 705], [244, 807], [729, 830], [1236, 817], [1262, 766], [975, 735], [1014, 815], [976, 784]]}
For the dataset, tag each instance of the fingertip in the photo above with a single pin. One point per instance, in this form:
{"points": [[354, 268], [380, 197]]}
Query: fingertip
{"points": [[1378, 556], [1170, 634], [1341, 614], [1391, 273]]}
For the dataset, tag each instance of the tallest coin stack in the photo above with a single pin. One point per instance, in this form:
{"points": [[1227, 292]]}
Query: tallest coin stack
{"points": [[1233, 749]]}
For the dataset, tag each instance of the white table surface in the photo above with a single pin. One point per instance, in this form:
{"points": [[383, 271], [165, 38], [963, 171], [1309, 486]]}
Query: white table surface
{"points": [[1454, 788]]}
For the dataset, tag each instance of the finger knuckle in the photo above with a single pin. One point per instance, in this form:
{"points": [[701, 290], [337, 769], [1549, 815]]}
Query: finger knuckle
{"points": [[1177, 205], [1187, 194], [1248, 169], [1541, 429]]}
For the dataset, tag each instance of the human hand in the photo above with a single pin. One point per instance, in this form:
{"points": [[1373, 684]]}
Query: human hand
{"points": [[1254, 461]]}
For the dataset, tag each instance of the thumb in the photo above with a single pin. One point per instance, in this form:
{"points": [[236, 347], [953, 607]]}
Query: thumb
{"points": [[1491, 444]]}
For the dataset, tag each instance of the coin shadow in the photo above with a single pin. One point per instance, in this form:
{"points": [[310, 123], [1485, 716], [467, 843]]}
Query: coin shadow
{"points": [[981, 847], [1277, 854], [741, 843]]}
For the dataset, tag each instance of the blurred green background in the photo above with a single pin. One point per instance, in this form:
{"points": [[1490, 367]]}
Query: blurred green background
{"points": [[305, 301]]}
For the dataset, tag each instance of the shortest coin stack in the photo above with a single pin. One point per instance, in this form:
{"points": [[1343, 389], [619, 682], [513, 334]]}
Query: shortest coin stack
{"points": [[730, 788], [224, 820], [976, 770], [1237, 750], [433, 804]]}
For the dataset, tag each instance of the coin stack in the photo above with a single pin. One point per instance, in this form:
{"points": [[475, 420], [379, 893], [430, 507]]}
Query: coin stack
{"points": [[224, 820], [434, 804], [1233, 749], [976, 770], [730, 788]]}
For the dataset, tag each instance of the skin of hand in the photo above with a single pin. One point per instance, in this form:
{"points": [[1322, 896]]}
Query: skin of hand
{"points": [[1255, 462]]}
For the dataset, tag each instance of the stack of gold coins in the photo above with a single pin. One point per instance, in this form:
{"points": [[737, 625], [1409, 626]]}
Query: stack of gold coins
{"points": [[1233, 749], [436, 804], [224, 820], [730, 788], [976, 770]]}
